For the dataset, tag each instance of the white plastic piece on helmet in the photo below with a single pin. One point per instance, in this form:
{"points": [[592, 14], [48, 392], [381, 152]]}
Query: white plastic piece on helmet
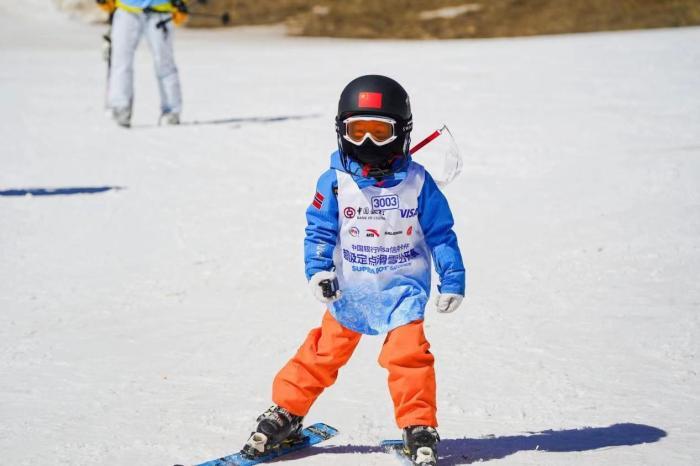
{"points": [[440, 155], [257, 441], [425, 455]]}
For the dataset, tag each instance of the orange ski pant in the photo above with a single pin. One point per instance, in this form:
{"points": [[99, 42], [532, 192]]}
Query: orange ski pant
{"points": [[405, 355]]}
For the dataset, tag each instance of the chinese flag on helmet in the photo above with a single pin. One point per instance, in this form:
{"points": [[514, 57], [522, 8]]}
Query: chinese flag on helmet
{"points": [[369, 100]]}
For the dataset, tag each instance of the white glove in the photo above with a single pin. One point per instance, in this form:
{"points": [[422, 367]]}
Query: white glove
{"points": [[317, 290], [448, 302]]}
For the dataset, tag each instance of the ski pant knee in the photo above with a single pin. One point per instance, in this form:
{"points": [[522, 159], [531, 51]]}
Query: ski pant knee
{"points": [[315, 366], [406, 356]]}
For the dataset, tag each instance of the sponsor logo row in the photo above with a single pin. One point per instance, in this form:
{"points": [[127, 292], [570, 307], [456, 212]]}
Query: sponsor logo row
{"points": [[375, 233], [351, 212]]}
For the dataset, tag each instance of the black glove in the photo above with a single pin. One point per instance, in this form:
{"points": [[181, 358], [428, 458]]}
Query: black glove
{"points": [[179, 5]]}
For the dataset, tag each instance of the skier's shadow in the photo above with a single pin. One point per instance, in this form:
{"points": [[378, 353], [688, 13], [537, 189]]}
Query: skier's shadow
{"points": [[238, 121], [68, 191], [454, 452]]}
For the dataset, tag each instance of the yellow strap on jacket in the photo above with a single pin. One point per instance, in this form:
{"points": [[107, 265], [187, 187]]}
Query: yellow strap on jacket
{"points": [[164, 8]]}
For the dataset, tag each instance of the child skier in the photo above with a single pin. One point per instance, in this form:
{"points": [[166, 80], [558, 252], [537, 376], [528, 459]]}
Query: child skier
{"points": [[375, 220]]}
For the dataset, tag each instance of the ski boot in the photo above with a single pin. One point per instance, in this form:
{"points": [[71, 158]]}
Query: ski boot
{"points": [[169, 119], [420, 445], [122, 116], [276, 427]]}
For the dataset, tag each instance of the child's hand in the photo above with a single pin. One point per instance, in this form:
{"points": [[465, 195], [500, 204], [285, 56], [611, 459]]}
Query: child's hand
{"points": [[448, 302], [327, 280]]}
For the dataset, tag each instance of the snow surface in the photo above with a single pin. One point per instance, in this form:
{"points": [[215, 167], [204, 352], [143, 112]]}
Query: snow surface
{"points": [[144, 325]]}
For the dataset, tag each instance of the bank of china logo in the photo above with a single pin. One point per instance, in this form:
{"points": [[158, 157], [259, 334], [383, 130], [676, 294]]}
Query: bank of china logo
{"points": [[349, 212], [354, 231]]}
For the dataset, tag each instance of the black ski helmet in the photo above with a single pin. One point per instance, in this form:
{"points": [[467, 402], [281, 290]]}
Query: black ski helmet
{"points": [[381, 96]]}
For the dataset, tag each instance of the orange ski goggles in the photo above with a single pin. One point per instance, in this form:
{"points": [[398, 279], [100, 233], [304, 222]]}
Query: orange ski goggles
{"points": [[381, 130]]}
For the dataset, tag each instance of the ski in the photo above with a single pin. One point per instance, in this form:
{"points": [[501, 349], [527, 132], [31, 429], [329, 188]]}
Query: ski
{"points": [[396, 447], [391, 445], [312, 435]]}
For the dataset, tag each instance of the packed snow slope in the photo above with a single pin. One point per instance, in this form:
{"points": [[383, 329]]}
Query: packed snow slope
{"points": [[144, 325]]}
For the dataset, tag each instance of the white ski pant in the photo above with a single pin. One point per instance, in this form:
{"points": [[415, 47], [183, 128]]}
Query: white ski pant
{"points": [[127, 29]]}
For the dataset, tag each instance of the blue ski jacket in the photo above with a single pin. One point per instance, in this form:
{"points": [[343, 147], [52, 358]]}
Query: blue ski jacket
{"points": [[435, 219]]}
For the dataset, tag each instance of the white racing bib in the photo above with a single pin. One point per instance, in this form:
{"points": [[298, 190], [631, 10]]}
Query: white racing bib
{"points": [[381, 258]]}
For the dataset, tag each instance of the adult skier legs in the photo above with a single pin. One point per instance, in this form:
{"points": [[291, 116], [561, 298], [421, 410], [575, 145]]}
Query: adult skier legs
{"points": [[127, 29]]}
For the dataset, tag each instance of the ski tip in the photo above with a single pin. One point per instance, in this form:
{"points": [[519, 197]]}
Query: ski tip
{"points": [[392, 444]]}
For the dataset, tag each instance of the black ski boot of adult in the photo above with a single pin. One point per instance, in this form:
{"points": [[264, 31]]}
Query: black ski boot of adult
{"points": [[276, 426], [420, 445]]}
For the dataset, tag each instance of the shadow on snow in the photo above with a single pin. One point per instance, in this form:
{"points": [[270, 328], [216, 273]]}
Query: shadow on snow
{"points": [[275, 119], [466, 451], [240, 120], [58, 191]]}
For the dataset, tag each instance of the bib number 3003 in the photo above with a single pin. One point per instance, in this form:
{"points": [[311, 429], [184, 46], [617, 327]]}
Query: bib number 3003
{"points": [[385, 202]]}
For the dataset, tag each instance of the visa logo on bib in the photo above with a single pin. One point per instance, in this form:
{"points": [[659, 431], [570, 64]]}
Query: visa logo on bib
{"points": [[408, 213]]}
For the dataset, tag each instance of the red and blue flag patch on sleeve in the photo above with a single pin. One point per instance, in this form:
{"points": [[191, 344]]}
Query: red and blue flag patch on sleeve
{"points": [[318, 200]]}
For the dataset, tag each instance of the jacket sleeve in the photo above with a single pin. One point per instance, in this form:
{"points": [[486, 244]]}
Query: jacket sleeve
{"points": [[435, 218], [321, 226]]}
